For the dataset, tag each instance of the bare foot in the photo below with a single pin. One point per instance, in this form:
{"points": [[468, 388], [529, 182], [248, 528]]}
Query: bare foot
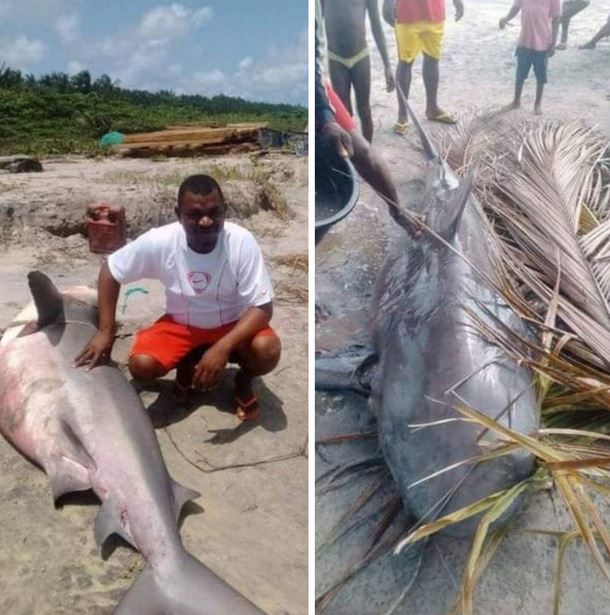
{"points": [[537, 110], [587, 46], [561, 46]]}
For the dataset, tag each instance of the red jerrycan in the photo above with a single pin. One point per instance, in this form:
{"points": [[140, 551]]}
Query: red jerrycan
{"points": [[106, 228]]}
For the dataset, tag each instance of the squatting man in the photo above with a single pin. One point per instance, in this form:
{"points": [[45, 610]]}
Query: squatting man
{"points": [[218, 300]]}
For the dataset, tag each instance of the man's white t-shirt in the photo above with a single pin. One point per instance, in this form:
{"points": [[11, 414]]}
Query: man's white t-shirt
{"points": [[202, 290]]}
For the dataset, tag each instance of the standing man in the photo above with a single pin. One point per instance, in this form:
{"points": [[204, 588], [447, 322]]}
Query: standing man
{"points": [[419, 27], [336, 126], [218, 300], [349, 63], [537, 40], [570, 9]]}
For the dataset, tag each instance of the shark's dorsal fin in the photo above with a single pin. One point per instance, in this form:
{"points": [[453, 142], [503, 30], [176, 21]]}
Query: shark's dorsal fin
{"points": [[48, 300], [456, 208]]}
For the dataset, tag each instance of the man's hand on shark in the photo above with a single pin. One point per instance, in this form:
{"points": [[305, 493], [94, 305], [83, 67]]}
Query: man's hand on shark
{"points": [[96, 352]]}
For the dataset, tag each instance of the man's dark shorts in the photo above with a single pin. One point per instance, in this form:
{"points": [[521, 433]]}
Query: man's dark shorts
{"points": [[526, 58]]}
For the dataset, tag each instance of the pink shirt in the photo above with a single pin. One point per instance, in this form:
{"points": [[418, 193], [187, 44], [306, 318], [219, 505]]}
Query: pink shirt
{"points": [[536, 23]]}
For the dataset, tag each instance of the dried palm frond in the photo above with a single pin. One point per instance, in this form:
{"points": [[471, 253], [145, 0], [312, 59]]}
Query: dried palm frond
{"points": [[545, 191]]}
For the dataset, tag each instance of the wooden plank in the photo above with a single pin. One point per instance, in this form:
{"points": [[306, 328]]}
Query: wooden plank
{"points": [[193, 134], [187, 150]]}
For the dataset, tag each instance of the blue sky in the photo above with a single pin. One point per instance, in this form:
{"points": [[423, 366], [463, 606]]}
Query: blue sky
{"points": [[256, 49]]}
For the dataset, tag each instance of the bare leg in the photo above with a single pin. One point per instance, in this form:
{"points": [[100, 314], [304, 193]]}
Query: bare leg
{"points": [[373, 170], [341, 81], [570, 9], [431, 79], [255, 358], [538, 103], [518, 91], [403, 83], [361, 78], [603, 33], [145, 368], [565, 25]]}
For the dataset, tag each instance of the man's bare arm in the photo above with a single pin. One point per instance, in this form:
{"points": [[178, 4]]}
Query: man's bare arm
{"points": [[556, 22], [389, 11], [211, 366], [514, 11], [100, 345], [378, 35]]}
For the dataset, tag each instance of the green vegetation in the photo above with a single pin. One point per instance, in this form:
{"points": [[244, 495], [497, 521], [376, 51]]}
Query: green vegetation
{"points": [[57, 114]]}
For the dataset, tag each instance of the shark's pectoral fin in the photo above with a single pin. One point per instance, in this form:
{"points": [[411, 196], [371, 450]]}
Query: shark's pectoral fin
{"points": [[66, 475], [69, 469], [346, 372], [181, 496], [110, 521]]}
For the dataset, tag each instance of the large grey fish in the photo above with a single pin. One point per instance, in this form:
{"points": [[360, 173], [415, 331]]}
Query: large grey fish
{"points": [[428, 295], [89, 430]]}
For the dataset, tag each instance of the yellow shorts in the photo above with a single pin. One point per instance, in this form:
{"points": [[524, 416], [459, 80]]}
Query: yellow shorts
{"points": [[413, 38]]}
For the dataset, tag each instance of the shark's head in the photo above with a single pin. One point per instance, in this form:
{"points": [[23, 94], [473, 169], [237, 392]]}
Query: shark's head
{"points": [[446, 200]]}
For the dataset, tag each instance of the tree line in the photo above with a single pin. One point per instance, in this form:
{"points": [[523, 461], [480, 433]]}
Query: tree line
{"points": [[59, 113], [104, 86]]}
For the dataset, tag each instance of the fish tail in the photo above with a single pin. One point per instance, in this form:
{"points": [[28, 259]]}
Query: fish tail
{"points": [[187, 587]]}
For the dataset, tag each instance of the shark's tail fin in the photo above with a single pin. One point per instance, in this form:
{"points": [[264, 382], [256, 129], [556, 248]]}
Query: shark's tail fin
{"points": [[188, 588]]}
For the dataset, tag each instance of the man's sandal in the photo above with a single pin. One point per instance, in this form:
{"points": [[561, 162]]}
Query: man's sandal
{"points": [[247, 410], [401, 128], [442, 117]]}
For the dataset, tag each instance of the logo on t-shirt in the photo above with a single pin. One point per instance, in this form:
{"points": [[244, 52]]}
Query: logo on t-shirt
{"points": [[199, 280]]}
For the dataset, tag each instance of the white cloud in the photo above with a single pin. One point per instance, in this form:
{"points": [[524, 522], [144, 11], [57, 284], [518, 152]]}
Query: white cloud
{"points": [[245, 63], [172, 22], [67, 27], [142, 66], [278, 76], [21, 52], [215, 76], [75, 67]]}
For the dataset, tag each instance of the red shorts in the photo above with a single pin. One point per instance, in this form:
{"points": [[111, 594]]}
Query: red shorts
{"points": [[168, 341], [342, 116]]}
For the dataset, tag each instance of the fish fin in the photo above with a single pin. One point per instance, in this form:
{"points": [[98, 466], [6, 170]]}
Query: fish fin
{"points": [[346, 372], [48, 300], [182, 495], [28, 329], [70, 470], [456, 208], [66, 476], [107, 522], [189, 587]]}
